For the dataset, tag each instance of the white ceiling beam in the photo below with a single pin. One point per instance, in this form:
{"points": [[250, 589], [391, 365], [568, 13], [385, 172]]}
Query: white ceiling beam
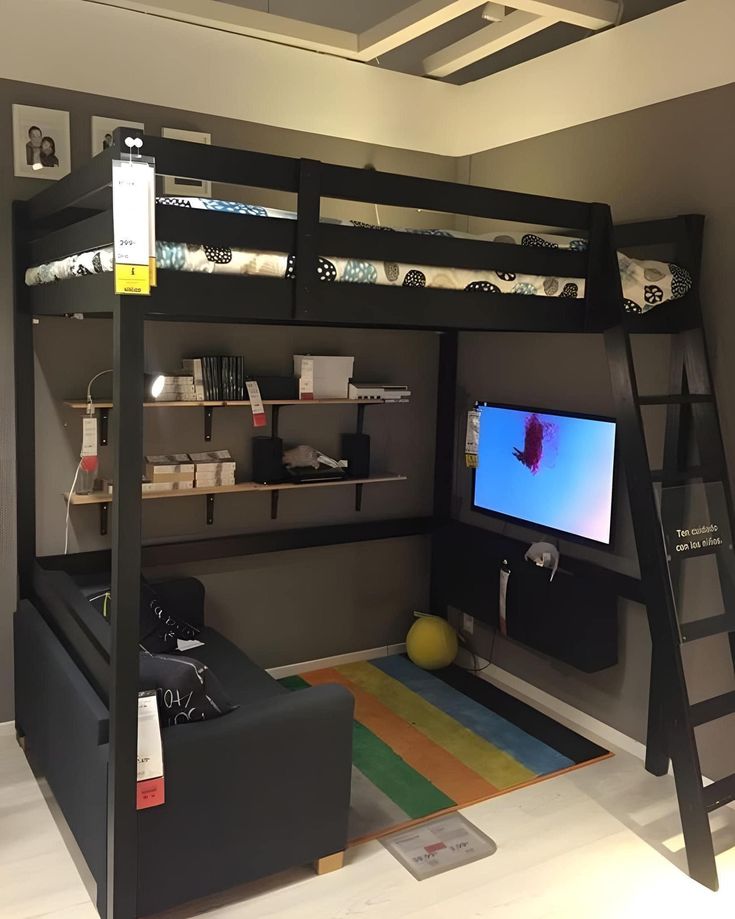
{"points": [[587, 14], [484, 42], [242, 21], [404, 26], [494, 12]]}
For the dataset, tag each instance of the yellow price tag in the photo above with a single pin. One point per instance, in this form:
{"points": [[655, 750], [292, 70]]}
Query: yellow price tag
{"points": [[133, 279]]}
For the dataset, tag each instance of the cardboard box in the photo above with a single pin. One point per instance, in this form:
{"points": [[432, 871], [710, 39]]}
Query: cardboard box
{"points": [[331, 374]]}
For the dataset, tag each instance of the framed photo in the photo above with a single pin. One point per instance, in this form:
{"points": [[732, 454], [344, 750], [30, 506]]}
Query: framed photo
{"points": [[102, 129], [172, 185], [41, 147]]}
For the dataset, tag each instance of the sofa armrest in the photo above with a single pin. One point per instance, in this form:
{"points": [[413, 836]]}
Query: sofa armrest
{"points": [[256, 791]]}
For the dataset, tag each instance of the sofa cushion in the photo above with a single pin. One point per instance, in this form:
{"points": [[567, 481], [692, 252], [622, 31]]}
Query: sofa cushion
{"points": [[159, 628], [245, 681], [187, 689]]}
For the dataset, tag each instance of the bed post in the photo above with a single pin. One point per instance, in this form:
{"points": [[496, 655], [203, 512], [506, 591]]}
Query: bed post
{"points": [[446, 412], [25, 425], [127, 437], [307, 230]]}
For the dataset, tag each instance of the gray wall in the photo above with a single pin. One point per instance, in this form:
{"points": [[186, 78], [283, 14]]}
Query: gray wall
{"points": [[664, 160], [289, 606]]}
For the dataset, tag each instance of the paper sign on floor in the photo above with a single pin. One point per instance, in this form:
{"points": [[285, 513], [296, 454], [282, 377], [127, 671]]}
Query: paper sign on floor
{"points": [[439, 845]]}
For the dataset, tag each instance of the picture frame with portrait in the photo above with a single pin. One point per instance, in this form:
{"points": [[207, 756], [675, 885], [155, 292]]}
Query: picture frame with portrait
{"points": [[102, 129], [41, 142]]}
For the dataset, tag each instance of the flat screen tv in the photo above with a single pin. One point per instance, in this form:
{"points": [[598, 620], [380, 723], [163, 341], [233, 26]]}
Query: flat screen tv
{"points": [[549, 469]]}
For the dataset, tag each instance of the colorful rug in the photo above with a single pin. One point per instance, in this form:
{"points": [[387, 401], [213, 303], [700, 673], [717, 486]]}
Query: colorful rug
{"points": [[429, 743]]}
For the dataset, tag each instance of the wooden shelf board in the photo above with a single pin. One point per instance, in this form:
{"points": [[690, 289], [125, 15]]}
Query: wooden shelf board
{"points": [[104, 498], [83, 405]]}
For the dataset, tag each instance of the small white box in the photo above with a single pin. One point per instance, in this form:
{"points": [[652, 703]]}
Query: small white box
{"points": [[331, 374]]}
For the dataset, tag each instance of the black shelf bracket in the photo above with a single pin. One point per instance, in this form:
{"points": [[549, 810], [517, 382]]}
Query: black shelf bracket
{"points": [[358, 497], [104, 516], [274, 504], [274, 420], [104, 419], [210, 510], [360, 418], [208, 413]]}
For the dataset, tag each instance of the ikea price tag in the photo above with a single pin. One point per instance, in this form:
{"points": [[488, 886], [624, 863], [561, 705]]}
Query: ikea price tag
{"points": [[256, 404], [472, 440], [306, 380], [152, 264], [89, 435], [150, 789], [131, 209]]}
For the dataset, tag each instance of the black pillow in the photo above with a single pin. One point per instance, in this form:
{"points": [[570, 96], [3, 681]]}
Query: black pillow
{"points": [[159, 629], [187, 689]]}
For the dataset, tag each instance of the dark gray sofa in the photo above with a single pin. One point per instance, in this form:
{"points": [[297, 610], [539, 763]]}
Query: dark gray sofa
{"points": [[258, 790]]}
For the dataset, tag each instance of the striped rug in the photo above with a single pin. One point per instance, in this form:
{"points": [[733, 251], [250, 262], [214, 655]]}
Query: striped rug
{"points": [[427, 743]]}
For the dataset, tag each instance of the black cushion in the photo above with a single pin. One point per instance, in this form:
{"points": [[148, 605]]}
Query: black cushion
{"points": [[159, 627], [187, 690]]}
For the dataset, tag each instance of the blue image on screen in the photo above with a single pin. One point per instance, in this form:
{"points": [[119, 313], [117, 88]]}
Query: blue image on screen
{"points": [[555, 471]]}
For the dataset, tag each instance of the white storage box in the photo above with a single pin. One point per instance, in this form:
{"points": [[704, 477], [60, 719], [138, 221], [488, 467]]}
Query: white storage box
{"points": [[331, 374]]}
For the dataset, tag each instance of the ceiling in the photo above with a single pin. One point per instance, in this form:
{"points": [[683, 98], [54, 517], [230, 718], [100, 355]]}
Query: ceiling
{"points": [[454, 44]]}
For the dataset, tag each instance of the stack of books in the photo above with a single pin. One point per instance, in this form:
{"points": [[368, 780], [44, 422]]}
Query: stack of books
{"points": [[214, 468], [168, 472], [178, 387], [218, 378]]}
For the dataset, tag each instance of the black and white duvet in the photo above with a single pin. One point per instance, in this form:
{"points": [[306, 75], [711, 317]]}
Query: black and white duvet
{"points": [[645, 283]]}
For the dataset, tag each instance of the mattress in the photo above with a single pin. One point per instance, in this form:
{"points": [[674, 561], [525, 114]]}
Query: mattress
{"points": [[645, 283]]}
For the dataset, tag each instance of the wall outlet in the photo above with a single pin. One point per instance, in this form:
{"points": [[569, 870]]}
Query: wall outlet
{"points": [[468, 624]]}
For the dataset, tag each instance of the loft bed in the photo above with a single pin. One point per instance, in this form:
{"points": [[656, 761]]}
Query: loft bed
{"points": [[75, 216], [226, 251]]}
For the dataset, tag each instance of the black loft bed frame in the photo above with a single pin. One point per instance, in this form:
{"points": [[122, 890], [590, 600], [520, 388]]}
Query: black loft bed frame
{"points": [[75, 214]]}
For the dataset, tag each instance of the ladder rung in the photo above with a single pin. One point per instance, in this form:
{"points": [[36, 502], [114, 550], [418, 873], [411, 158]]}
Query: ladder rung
{"points": [[683, 476], [718, 794], [703, 628], [712, 709], [674, 399]]}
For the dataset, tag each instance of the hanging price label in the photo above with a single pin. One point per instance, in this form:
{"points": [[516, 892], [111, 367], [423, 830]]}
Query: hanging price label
{"points": [[150, 752], [256, 404], [89, 435], [472, 440], [152, 264], [306, 380], [133, 225]]}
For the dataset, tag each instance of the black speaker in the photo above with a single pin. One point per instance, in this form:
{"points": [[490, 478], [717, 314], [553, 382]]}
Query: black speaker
{"points": [[356, 450], [277, 387], [267, 460]]}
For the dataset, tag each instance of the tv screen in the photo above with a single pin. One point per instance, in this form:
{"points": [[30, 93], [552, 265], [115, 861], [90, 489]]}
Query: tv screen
{"points": [[546, 468]]}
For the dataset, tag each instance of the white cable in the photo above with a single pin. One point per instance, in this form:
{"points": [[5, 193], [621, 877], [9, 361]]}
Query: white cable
{"points": [[377, 216], [68, 506], [90, 411], [621, 12], [90, 404]]}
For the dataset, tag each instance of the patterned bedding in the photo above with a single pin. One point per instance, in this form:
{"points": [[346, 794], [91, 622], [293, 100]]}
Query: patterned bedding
{"points": [[645, 283]]}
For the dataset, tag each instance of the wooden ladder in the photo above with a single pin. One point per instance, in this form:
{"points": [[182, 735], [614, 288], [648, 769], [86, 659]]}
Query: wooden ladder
{"points": [[694, 471]]}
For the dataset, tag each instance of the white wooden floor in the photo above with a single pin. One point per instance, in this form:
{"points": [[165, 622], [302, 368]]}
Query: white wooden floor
{"points": [[599, 842]]}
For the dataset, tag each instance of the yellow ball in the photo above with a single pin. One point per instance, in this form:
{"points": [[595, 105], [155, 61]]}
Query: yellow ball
{"points": [[431, 643]]}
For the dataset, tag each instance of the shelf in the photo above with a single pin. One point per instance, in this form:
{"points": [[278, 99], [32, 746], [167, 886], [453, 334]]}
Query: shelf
{"points": [[104, 498], [81, 405]]}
